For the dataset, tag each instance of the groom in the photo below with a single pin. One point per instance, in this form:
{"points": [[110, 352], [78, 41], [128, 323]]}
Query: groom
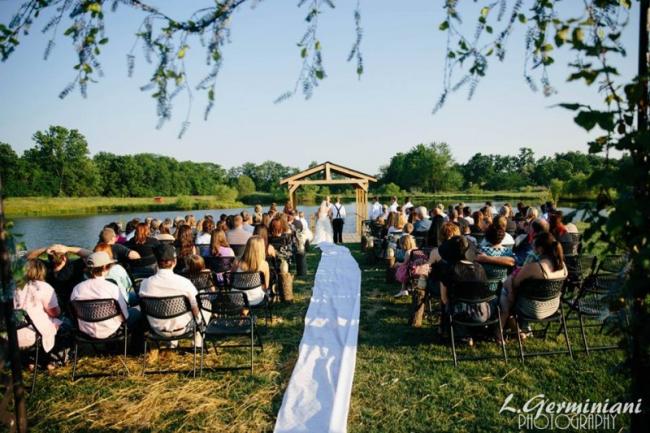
{"points": [[337, 213]]}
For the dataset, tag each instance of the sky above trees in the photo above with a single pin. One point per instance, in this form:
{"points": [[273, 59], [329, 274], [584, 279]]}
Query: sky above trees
{"points": [[356, 123]]}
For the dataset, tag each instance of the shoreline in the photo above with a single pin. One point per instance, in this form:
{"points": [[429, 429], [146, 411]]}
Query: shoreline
{"points": [[23, 207]]}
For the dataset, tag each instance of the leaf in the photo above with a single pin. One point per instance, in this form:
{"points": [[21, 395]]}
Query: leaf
{"points": [[320, 74], [485, 11], [303, 53], [443, 26], [182, 51], [570, 106], [522, 18]]}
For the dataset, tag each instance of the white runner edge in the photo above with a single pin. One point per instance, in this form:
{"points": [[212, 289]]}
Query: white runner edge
{"points": [[317, 398]]}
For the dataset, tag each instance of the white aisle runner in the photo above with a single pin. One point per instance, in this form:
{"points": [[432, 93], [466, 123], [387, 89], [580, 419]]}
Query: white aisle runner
{"points": [[318, 396]]}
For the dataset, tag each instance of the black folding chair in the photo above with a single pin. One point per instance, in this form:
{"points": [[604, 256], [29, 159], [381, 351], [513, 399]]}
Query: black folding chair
{"points": [[496, 274], [204, 249], [203, 281], [579, 268], [166, 308], [24, 321], [94, 311], [531, 292], [221, 267], [238, 250], [228, 319], [245, 281], [472, 293], [593, 301]]}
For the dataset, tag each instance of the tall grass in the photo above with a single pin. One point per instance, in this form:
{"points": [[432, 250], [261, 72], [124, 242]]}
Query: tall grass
{"points": [[405, 380]]}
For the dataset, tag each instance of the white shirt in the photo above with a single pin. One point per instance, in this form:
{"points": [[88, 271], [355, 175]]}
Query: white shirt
{"points": [[469, 220], [408, 205], [249, 228], [393, 207], [341, 211], [35, 298], [203, 238], [99, 288], [508, 240], [376, 211], [166, 283]]}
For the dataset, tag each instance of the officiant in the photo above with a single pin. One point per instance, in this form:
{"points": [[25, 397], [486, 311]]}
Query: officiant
{"points": [[338, 219]]}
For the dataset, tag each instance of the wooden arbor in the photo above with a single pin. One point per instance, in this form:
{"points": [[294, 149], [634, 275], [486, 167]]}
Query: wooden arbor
{"points": [[328, 173]]}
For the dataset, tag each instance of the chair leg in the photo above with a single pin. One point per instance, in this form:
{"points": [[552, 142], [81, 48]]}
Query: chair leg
{"points": [[194, 362], [38, 343], [259, 340], [521, 346], [453, 341], [201, 364], [566, 332], [584, 334], [252, 344], [501, 336], [74, 361], [144, 357]]}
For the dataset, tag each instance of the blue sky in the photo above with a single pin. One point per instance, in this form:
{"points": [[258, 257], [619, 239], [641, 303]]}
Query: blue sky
{"points": [[357, 123]]}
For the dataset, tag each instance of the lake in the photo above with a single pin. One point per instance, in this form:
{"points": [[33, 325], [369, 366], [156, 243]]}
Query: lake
{"points": [[84, 230]]}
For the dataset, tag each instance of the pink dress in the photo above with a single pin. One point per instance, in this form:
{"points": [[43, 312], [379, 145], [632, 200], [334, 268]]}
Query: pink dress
{"points": [[36, 298]]}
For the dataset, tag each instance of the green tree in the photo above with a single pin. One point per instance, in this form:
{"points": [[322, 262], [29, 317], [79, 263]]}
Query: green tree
{"points": [[245, 185], [62, 162]]}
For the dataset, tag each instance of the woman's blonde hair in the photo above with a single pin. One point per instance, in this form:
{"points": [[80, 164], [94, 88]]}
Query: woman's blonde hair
{"points": [[254, 255], [408, 243], [401, 221], [35, 270], [448, 231]]}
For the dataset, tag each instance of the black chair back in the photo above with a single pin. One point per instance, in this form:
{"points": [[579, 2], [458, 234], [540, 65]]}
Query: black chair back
{"points": [[203, 281], [223, 304], [219, 264], [471, 292], [167, 307], [23, 320], [538, 289], [245, 280], [612, 264], [238, 250], [96, 310]]}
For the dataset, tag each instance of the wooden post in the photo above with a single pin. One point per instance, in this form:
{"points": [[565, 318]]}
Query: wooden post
{"points": [[6, 278]]}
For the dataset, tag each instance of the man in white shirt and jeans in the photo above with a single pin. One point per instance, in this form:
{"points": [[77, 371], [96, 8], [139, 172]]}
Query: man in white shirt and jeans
{"points": [[376, 210], [166, 283]]}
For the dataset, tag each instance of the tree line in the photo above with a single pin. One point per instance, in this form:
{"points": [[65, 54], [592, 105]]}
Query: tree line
{"points": [[59, 164]]}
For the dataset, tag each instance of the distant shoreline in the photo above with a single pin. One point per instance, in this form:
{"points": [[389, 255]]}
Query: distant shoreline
{"points": [[79, 206]]}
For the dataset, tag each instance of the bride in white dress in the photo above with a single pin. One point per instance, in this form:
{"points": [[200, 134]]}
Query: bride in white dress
{"points": [[323, 231]]}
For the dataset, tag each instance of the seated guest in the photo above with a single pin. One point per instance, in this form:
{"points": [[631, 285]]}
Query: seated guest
{"points": [[408, 229], [523, 249], [506, 212], [492, 252], [396, 221], [154, 227], [549, 265], [167, 283], [184, 247], [521, 211], [258, 212], [143, 244], [459, 266], [97, 287], [422, 223], [219, 246], [281, 238], [120, 252], [237, 235], [467, 215], [247, 222], [405, 247], [118, 275], [263, 232], [203, 238], [561, 233], [254, 260], [502, 223], [199, 275], [117, 229], [437, 220], [165, 234], [38, 300], [63, 273], [129, 232], [478, 226], [447, 231]]}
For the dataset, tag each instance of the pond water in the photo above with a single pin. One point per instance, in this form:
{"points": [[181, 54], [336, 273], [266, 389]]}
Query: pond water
{"points": [[83, 231]]}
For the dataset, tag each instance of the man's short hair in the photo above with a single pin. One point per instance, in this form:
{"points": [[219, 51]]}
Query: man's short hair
{"points": [[244, 215], [422, 211], [107, 235], [237, 220]]}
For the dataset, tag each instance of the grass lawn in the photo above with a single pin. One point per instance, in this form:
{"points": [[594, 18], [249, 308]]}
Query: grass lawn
{"points": [[405, 380]]}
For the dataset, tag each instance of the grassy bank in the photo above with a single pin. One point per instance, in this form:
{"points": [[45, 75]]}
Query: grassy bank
{"points": [[405, 380], [56, 206]]}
